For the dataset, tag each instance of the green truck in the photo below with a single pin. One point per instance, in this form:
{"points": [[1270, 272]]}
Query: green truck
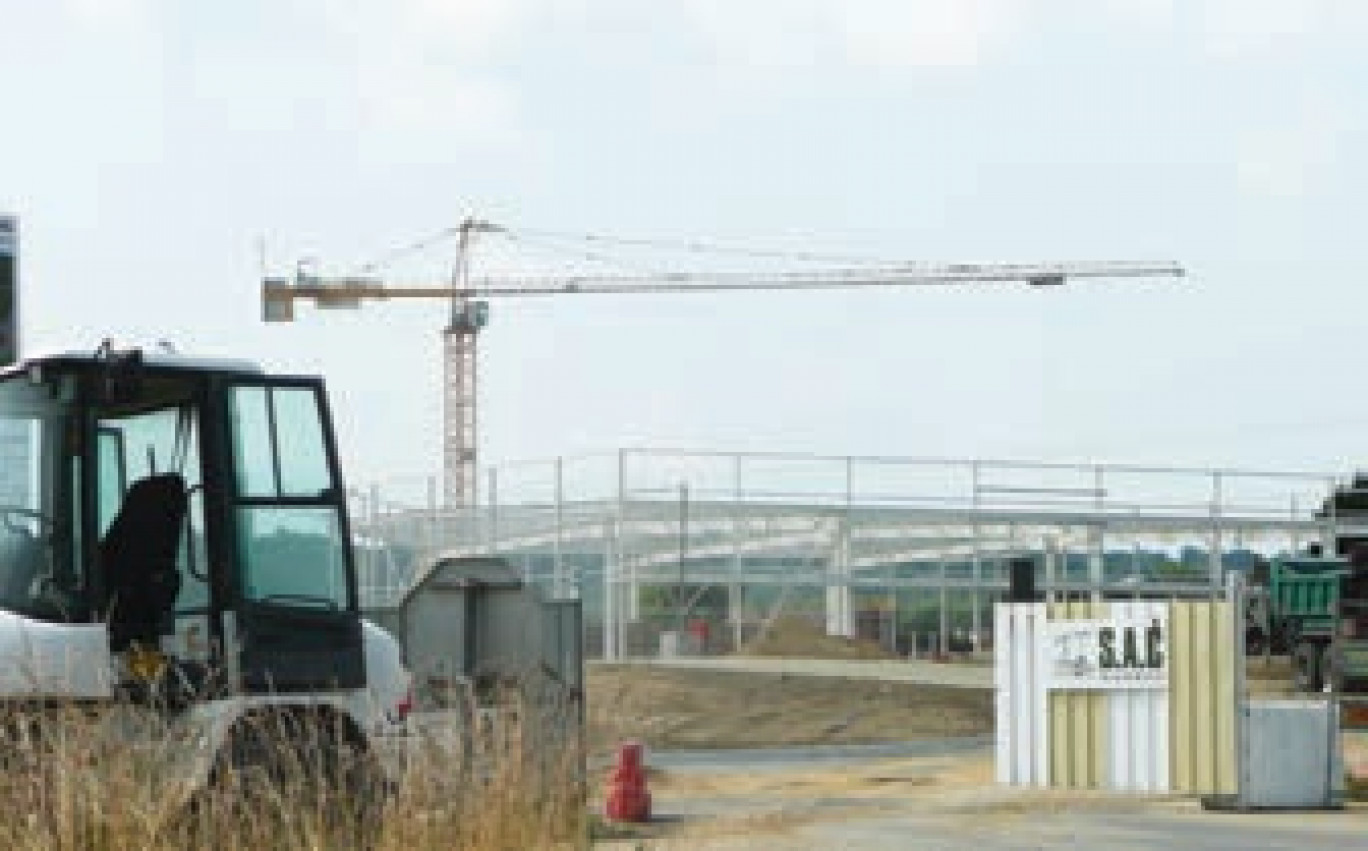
{"points": [[1314, 606], [1294, 612], [1315, 609]]}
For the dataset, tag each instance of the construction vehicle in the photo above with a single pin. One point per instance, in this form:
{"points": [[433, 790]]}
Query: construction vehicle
{"points": [[1320, 614], [1309, 605], [174, 545], [1296, 612]]}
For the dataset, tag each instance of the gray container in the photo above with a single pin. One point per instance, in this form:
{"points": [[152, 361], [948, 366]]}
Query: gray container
{"points": [[1289, 757]]}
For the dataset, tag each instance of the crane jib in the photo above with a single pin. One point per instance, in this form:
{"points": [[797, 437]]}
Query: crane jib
{"points": [[349, 289]]}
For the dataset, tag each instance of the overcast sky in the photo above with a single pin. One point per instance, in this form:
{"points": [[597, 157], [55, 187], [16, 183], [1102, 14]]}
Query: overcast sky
{"points": [[147, 146]]}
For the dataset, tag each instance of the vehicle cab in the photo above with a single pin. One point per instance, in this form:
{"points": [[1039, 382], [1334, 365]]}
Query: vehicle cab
{"points": [[176, 529]]}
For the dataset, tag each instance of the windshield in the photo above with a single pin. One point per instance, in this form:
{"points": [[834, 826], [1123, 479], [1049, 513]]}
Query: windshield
{"points": [[37, 537]]}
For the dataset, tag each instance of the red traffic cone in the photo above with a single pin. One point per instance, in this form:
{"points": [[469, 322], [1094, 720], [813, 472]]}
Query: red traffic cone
{"points": [[628, 799]]}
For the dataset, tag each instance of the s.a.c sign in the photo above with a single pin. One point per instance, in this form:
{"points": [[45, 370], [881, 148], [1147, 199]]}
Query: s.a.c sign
{"points": [[1106, 654]]}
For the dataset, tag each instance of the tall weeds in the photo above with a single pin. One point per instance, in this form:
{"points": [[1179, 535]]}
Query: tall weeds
{"points": [[108, 777]]}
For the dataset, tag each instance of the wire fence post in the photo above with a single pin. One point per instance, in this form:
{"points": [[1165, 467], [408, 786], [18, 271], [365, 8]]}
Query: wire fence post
{"points": [[976, 618], [612, 566], [734, 598], [1216, 561], [558, 582], [492, 517], [432, 533], [1331, 527], [1051, 568], [1097, 549], [680, 595], [943, 641]]}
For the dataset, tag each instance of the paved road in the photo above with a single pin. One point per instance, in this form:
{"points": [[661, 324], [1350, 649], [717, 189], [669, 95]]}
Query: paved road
{"points": [[909, 671]]}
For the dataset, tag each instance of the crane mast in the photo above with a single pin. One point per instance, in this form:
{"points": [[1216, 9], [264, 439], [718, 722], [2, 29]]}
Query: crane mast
{"points": [[460, 345], [470, 312], [458, 416]]}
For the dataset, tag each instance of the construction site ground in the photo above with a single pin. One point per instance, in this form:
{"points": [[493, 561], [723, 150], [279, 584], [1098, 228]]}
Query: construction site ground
{"points": [[685, 707], [947, 801], [748, 752], [751, 702]]}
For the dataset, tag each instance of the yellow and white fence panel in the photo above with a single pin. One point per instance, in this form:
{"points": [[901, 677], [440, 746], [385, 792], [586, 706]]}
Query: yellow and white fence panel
{"points": [[1127, 696]]}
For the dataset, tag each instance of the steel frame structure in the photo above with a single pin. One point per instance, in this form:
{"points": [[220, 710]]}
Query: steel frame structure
{"points": [[608, 526]]}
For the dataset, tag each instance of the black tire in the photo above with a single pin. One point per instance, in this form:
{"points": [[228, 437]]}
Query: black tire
{"points": [[274, 767], [1307, 670], [1255, 643]]}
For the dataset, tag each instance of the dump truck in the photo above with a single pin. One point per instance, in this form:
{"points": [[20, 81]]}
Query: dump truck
{"points": [[1315, 609], [175, 549], [1295, 611], [1306, 605]]}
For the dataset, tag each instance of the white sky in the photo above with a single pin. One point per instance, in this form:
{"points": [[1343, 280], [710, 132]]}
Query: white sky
{"points": [[147, 145]]}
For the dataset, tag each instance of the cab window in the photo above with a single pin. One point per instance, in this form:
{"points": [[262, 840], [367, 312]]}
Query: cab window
{"points": [[288, 506], [133, 446]]}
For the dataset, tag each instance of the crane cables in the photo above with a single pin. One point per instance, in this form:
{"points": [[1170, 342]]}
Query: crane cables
{"points": [[692, 246], [591, 247]]}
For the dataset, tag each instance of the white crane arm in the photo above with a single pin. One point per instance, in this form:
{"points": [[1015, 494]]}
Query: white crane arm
{"points": [[346, 291]]}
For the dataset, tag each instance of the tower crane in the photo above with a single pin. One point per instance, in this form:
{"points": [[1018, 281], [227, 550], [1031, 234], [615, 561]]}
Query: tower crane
{"points": [[468, 297]]}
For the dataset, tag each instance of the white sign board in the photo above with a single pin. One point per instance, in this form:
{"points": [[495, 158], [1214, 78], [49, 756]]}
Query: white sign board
{"points": [[1125, 653]]}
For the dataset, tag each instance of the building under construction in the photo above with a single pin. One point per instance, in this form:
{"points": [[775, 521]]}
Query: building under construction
{"points": [[909, 552]]}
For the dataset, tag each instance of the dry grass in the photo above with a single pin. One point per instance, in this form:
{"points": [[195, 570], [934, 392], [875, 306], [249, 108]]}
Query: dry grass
{"points": [[72, 780]]}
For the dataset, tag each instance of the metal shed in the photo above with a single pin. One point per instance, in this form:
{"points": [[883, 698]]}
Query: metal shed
{"points": [[473, 623]]}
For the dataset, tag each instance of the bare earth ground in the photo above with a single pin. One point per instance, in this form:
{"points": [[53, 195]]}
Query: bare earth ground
{"points": [[951, 802], [735, 702], [674, 708], [927, 802]]}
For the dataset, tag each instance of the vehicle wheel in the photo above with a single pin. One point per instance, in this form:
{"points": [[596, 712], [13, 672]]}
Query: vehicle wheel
{"points": [[339, 777], [1306, 668], [273, 769], [1254, 642], [1277, 639]]}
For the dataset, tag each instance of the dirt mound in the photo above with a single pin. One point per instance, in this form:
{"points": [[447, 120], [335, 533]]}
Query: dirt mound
{"points": [[798, 638]]}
